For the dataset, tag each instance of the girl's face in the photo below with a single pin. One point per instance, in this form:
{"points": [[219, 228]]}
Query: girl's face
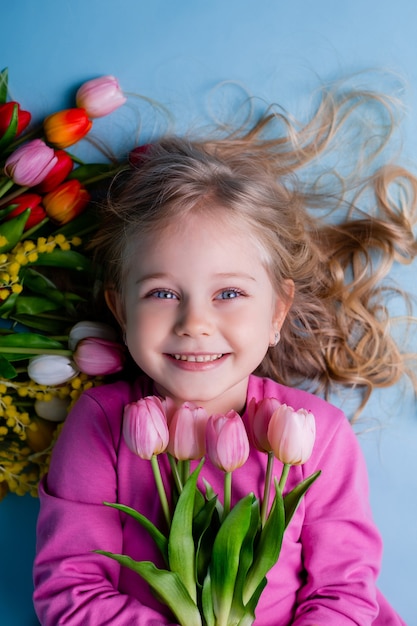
{"points": [[199, 312]]}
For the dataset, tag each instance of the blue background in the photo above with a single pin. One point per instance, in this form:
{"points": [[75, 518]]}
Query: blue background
{"points": [[176, 53]]}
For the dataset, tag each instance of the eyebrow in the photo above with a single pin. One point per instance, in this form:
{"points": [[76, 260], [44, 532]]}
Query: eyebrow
{"points": [[224, 275]]}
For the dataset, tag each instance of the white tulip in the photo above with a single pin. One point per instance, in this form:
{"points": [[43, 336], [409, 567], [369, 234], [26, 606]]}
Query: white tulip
{"points": [[51, 369], [53, 410], [85, 329]]}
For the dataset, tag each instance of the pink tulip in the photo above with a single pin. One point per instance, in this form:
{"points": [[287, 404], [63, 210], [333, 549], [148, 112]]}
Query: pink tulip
{"points": [[100, 96], [226, 441], [258, 418], [187, 432], [145, 428], [29, 164], [291, 434], [99, 357]]}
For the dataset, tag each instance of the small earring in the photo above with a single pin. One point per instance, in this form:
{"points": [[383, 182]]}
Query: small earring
{"points": [[277, 337]]}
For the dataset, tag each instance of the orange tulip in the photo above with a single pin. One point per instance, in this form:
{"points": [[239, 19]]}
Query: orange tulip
{"points": [[65, 202], [66, 127]]}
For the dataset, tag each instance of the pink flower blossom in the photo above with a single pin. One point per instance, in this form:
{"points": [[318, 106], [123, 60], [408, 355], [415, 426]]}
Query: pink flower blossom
{"points": [[187, 432], [100, 96], [258, 418], [99, 357], [29, 164], [226, 441], [145, 427], [291, 434]]}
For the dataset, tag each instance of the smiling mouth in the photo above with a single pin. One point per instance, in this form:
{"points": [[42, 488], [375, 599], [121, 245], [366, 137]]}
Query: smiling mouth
{"points": [[197, 358]]}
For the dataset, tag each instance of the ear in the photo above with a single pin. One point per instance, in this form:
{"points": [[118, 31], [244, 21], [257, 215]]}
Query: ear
{"points": [[282, 306], [114, 302]]}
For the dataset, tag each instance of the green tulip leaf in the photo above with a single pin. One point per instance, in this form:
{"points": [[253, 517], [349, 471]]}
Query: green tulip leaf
{"points": [[205, 527], [251, 539], [92, 172], [41, 285], [207, 602], [293, 498], [87, 222], [268, 546], [159, 539], [8, 305], [10, 133], [68, 259], [226, 554], [181, 548], [18, 346], [4, 81], [12, 230], [45, 323], [167, 585], [34, 305], [6, 369]]}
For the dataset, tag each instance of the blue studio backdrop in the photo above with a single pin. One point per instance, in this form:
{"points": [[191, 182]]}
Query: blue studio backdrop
{"points": [[177, 53]]}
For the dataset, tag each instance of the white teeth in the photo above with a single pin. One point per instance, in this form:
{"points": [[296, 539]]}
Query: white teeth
{"points": [[197, 358]]}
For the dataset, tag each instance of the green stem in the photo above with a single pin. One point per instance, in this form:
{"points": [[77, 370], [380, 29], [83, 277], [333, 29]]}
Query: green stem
{"points": [[175, 473], [161, 489], [267, 487], [5, 186], [284, 476], [227, 493], [185, 471], [13, 350]]}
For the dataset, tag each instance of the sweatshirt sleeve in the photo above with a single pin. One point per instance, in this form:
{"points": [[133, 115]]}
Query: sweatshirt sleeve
{"points": [[341, 545], [74, 586]]}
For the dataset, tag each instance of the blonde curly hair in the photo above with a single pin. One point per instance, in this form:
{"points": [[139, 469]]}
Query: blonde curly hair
{"points": [[325, 206]]}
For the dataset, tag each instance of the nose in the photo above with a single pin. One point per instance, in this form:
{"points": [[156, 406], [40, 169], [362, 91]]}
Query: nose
{"points": [[194, 320]]}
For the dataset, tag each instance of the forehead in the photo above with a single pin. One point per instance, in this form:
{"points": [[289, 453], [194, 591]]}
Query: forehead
{"points": [[198, 240]]}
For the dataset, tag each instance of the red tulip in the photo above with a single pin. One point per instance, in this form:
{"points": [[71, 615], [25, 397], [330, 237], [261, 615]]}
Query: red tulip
{"points": [[100, 96], [66, 201], [145, 428], [99, 357], [187, 432], [30, 163], [6, 113], [292, 434], [258, 417], [58, 173], [28, 201], [64, 128], [226, 441]]}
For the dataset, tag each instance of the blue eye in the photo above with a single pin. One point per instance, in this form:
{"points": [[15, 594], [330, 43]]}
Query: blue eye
{"points": [[229, 294], [163, 294]]}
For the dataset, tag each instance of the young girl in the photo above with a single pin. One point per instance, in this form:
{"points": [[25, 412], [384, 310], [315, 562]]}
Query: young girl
{"points": [[217, 268]]}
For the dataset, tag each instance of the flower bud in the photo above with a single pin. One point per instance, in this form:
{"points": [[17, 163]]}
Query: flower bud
{"points": [[291, 434], [99, 357], [226, 441], [51, 369], [53, 410], [258, 418], [30, 163], [145, 428], [28, 201], [66, 201], [64, 128], [6, 114], [58, 173], [187, 432], [85, 329], [100, 96]]}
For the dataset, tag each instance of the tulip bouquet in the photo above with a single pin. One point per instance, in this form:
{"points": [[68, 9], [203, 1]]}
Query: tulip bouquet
{"points": [[46, 277], [217, 556]]}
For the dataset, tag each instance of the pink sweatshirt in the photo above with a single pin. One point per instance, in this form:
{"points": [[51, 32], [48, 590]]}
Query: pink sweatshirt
{"points": [[331, 553]]}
